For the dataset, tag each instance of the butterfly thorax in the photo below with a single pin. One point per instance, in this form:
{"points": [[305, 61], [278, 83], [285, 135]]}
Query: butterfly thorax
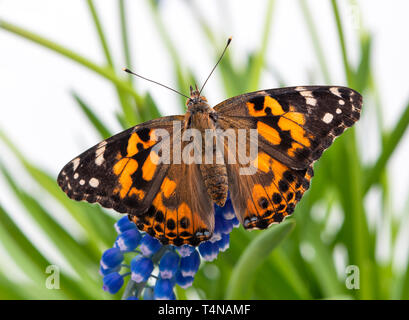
{"points": [[203, 119]]}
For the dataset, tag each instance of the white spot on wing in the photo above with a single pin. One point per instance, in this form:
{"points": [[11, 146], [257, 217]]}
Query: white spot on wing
{"points": [[327, 118], [299, 88], [306, 93], [341, 102], [82, 182], [338, 111], [309, 98], [311, 101], [99, 153], [93, 182], [75, 163], [76, 175], [335, 91]]}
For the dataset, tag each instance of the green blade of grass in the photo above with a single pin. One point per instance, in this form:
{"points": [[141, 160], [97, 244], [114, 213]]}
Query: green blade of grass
{"points": [[125, 37], [36, 275], [126, 106], [353, 195], [342, 43], [82, 213], [103, 71], [92, 117], [315, 40], [101, 34], [252, 257], [259, 59], [39, 262], [183, 79], [364, 67], [388, 148], [290, 273], [45, 220], [79, 256]]}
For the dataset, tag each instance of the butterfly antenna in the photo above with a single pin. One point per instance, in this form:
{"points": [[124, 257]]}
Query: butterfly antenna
{"points": [[225, 48], [135, 74]]}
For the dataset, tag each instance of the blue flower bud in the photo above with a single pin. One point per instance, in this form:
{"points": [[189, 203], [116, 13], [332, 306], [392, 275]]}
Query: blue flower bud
{"points": [[168, 265], [182, 281], [208, 250], [163, 289], [128, 240], [148, 293], [235, 222], [217, 233], [149, 245], [112, 282], [141, 268], [222, 226], [111, 258], [224, 242], [185, 250], [132, 298], [124, 224], [104, 272], [190, 264], [228, 211]]}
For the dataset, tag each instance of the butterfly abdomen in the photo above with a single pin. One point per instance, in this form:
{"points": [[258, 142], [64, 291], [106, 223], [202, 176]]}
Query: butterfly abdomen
{"points": [[212, 168], [215, 180]]}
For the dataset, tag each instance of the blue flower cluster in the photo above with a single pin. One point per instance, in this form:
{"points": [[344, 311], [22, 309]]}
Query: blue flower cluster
{"points": [[155, 269]]}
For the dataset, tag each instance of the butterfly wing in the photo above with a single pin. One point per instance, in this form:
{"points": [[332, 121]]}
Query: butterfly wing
{"points": [[119, 173], [181, 212], [295, 125], [164, 199]]}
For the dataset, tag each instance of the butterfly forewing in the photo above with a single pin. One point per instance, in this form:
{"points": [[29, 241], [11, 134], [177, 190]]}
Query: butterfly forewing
{"points": [[295, 124], [119, 172]]}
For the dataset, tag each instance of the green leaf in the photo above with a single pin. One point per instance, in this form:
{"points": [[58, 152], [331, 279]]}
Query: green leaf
{"points": [[258, 62], [240, 284], [388, 148], [106, 72], [92, 117]]}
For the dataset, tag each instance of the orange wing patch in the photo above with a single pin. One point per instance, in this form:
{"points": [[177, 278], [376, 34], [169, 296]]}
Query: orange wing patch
{"points": [[275, 193], [181, 212], [172, 225], [264, 106], [127, 165], [268, 133], [149, 166], [288, 120], [135, 142], [124, 168]]}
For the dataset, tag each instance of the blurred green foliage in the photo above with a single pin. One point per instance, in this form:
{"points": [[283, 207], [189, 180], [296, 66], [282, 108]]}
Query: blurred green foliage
{"points": [[292, 262]]}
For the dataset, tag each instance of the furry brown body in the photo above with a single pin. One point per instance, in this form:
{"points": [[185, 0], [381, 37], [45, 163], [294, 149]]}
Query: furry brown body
{"points": [[202, 117]]}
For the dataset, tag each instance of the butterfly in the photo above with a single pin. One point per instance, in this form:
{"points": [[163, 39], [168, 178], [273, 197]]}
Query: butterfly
{"points": [[173, 202]]}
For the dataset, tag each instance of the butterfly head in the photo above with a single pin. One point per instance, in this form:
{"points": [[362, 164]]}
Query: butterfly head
{"points": [[196, 101]]}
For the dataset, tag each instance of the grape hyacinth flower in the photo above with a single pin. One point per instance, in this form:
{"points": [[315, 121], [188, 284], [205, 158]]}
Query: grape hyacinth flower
{"points": [[150, 269]]}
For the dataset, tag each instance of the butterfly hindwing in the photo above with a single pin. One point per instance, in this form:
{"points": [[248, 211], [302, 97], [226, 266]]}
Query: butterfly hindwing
{"points": [[119, 172], [270, 194], [181, 212]]}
